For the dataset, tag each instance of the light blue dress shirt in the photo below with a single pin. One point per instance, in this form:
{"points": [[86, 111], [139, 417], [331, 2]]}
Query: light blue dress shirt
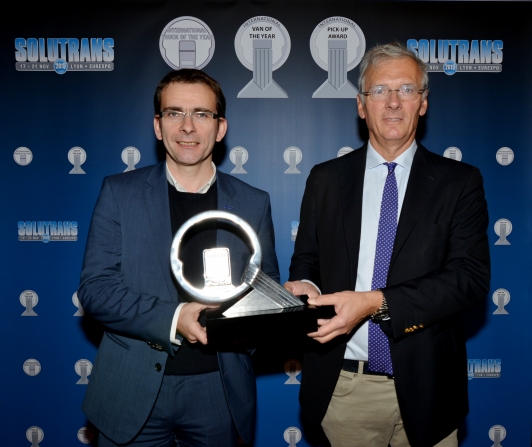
{"points": [[374, 179]]}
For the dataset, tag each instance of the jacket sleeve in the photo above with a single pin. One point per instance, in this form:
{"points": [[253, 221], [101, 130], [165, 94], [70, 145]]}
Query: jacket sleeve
{"points": [[266, 237], [455, 256], [113, 296], [305, 260]]}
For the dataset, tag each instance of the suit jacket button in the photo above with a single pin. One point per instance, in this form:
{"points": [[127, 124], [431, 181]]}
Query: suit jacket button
{"points": [[414, 327], [158, 367]]}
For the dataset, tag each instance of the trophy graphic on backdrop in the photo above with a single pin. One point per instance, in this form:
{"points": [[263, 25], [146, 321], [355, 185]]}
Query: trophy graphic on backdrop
{"points": [[292, 156], [34, 435], [187, 42], [29, 300], [77, 157], [497, 433], [22, 156], [267, 305], [238, 156], [501, 297], [292, 368], [292, 435], [453, 153], [130, 156], [83, 368], [32, 367], [262, 45], [505, 156], [502, 228], [337, 45]]}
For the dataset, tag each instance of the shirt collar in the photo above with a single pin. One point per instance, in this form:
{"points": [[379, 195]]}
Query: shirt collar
{"points": [[374, 159], [180, 188]]}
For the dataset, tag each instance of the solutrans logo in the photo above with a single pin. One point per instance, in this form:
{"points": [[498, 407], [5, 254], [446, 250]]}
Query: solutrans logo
{"points": [[464, 56], [47, 230], [62, 54], [483, 368]]}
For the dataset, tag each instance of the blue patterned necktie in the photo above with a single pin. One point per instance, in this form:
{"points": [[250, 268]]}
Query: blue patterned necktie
{"points": [[378, 349]]}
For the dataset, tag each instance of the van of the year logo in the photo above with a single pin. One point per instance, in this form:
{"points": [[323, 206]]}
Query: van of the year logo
{"points": [[455, 55], [62, 54]]}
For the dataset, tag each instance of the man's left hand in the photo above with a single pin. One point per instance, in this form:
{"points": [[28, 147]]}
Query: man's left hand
{"points": [[350, 307]]}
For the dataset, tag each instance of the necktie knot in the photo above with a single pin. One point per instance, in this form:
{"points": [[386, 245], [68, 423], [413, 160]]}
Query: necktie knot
{"points": [[391, 166]]}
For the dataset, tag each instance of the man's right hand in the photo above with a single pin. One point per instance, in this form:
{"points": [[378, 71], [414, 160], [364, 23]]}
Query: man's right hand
{"points": [[188, 325]]}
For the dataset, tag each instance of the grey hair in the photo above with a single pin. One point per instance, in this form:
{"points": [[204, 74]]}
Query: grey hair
{"points": [[394, 50]]}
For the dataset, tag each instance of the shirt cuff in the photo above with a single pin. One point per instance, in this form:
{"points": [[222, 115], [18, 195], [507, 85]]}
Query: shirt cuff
{"points": [[173, 328], [310, 282]]}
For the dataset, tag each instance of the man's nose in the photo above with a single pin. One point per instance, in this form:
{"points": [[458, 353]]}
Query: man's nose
{"points": [[187, 125], [393, 101]]}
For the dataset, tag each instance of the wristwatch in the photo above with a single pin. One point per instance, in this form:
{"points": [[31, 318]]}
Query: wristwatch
{"points": [[382, 313]]}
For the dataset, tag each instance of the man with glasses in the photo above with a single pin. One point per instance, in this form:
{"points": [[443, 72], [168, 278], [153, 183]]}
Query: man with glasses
{"points": [[394, 237], [156, 379]]}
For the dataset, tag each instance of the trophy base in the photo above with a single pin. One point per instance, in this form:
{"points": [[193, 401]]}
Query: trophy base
{"points": [[258, 327]]}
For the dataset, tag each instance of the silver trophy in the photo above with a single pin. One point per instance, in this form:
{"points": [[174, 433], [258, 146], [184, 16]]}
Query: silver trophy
{"points": [[266, 298], [266, 295]]}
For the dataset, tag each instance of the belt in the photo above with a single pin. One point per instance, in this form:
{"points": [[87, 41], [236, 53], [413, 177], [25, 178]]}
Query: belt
{"points": [[353, 367]]}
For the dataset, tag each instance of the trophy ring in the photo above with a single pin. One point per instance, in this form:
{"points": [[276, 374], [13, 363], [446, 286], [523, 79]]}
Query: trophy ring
{"points": [[216, 294]]}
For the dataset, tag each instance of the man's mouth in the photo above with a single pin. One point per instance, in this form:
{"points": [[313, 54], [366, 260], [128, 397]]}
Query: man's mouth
{"points": [[188, 143]]}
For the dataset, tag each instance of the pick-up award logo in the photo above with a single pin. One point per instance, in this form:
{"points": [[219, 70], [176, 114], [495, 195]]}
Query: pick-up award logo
{"points": [[337, 45]]}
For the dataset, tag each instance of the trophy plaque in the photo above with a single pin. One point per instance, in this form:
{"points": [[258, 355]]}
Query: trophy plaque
{"points": [[266, 308]]}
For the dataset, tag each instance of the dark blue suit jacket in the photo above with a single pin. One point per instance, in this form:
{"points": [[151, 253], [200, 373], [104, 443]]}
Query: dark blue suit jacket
{"points": [[127, 285], [440, 266]]}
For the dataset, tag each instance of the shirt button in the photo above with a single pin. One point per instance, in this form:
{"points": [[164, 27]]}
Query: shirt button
{"points": [[158, 367]]}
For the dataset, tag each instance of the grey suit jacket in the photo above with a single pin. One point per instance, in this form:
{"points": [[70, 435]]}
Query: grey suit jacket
{"points": [[127, 284]]}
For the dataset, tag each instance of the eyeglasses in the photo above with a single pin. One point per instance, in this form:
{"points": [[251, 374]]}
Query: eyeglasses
{"points": [[176, 116], [381, 93]]}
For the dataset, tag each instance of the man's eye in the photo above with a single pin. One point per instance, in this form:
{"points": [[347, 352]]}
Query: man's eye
{"points": [[173, 114], [379, 90], [200, 115], [408, 89]]}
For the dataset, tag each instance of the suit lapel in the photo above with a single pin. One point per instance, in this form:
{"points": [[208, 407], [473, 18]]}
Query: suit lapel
{"points": [[351, 179], [156, 201], [422, 183]]}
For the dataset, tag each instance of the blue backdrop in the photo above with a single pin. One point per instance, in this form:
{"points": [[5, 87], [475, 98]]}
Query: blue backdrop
{"points": [[76, 91]]}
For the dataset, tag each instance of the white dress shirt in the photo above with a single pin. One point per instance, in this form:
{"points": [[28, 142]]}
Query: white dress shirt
{"points": [[374, 180]]}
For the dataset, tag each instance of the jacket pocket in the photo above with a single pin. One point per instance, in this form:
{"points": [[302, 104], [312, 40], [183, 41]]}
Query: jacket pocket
{"points": [[449, 341]]}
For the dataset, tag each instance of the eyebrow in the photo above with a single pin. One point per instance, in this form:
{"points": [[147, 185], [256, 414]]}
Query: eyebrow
{"points": [[180, 109], [385, 85]]}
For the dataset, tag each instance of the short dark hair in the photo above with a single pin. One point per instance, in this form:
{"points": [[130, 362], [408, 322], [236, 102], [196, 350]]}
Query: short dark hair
{"points": [[190, 76]]}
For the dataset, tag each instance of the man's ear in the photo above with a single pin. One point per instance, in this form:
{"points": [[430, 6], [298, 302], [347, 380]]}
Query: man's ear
{"points": [[424, 106], [360, 108], [222, 129], [157, 127]]}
